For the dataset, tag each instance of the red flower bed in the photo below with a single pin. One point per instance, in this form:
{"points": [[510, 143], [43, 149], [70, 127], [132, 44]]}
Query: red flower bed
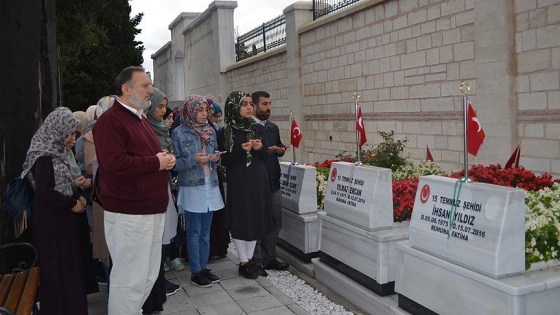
{"points": [[327, 163], [404, 191], [510, 177]]}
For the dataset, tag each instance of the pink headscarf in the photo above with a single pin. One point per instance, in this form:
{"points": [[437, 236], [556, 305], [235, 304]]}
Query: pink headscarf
{"points": [[191, 106]]}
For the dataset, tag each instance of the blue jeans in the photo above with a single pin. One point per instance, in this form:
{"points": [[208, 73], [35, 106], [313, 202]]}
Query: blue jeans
{"points": [[198, 239]]}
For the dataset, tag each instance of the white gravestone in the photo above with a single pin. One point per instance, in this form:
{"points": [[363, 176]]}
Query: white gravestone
{"points": [[298, 185], [360, 195], [488, 233]]}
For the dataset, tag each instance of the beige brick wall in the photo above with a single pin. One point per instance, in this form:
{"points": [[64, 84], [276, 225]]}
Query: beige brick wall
{"points": [[266, 72], [403, 57], [407, 59], [537, 41]]}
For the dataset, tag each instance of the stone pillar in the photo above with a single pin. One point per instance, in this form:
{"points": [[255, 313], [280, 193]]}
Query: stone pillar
{"points": [[495, 101], [177, 84], [224, 41], [297, 15]]}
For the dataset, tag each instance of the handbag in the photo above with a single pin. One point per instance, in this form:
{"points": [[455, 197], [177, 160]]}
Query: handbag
{"points": [[19, 198], [96, 188]]}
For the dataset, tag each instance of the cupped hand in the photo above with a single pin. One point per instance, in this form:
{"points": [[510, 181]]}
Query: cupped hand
{"points": [[247, 146], [172, 161], [80, 181], [79, 207], [257, 144]]}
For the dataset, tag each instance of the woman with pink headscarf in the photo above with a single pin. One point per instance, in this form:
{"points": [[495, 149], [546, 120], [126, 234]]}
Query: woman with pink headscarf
{"points": [[195, 147]]}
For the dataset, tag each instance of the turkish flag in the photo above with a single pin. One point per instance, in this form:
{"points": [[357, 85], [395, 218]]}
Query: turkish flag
{"points": [[514, 159], [429, 156], [475, 134], [295, 134], [360, 127]]}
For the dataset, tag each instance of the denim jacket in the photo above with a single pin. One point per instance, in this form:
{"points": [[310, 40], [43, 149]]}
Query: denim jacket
{"points": [[186, 143]]}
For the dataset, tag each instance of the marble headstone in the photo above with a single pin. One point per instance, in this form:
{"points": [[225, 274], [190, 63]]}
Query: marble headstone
{"points": [[298, 185], [360, 195], [488, 230]]}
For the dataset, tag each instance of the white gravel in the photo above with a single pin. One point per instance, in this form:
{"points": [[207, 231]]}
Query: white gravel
{"points": [[303, 294], [308, 298]]}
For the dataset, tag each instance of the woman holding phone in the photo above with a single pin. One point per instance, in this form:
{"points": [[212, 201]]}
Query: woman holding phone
{"points": [[194, 143]]}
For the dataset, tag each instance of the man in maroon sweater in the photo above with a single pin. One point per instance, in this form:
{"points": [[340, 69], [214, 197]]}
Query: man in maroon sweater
{"points": [[134, 180]]}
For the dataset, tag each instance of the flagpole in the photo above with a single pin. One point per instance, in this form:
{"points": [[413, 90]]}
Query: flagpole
{"points": [[293, 148], [356, 98], [465, 88]]}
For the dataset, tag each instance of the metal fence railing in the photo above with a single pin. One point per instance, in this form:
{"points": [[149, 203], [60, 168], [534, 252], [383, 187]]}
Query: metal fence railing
{"points": [[271, 34], [326, 7]]}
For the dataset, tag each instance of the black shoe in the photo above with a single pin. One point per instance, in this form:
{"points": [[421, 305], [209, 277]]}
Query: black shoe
{"points": [[260, 270], [257, 266], [171, 288], [200, 280], [276, 265], [210, 276], [248, 271]]}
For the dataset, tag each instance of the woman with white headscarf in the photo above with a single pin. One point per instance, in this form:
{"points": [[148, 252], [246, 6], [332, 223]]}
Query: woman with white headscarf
{"points": [[54, 223], [100, 250]]}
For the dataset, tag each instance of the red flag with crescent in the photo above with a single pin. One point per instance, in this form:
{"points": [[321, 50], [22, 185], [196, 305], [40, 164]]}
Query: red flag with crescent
{"points": [[360, 127], [295, 134], [429, 156], [514, 159], [475, 133]]}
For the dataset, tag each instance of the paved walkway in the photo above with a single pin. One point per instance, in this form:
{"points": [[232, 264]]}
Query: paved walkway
{"points": [[232, 295]]}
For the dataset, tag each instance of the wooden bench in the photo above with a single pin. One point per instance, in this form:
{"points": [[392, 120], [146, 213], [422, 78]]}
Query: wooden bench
{"points": [[18, 290]]}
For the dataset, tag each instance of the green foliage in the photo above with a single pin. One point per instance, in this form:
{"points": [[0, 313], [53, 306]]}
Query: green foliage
{"points": [[542, 219], [388, 153], [410, 170], [96, 41]]}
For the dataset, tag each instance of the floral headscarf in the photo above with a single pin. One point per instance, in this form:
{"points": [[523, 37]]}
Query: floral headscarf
{"points": [[104, 104], [49, 141], [159, 125], [234, 120], [191, 106]]}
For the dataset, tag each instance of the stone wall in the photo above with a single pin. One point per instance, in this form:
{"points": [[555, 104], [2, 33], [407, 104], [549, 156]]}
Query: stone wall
{"points": [[407, 60], [537, 51], [265, 72], [163, 70], [201, 47]]}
